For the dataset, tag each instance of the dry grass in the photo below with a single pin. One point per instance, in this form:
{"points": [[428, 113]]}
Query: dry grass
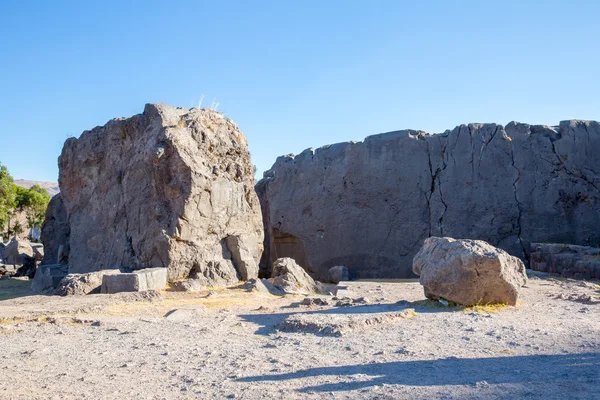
{"points": [[487, 308], [221, 299]]}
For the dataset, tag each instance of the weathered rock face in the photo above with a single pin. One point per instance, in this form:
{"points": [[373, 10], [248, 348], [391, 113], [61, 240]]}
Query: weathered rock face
{"points": [[55, 232], [291, 278], [170, 188], [82, 284], [370, 205], [338, 274], [468, 272], [48, 277], [571, 261], [18, 252], [137, 281]]}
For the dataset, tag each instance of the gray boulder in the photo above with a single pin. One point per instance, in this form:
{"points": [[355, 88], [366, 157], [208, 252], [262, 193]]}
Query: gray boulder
{"points": [[48, 277], [187, 285], [137, 281], [170, 188], [370, 205], [338, 274], [292, 279], [468, 272], [18, 252], [82, 284], [55, 233]]}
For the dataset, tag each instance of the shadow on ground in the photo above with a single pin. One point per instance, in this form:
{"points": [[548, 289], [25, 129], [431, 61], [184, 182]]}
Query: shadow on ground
{"points": [[14, 288], [572, 370], [269, 323]]}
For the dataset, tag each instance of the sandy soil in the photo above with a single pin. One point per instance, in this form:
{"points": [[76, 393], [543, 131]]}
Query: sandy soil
{"points": [[227, 344]]}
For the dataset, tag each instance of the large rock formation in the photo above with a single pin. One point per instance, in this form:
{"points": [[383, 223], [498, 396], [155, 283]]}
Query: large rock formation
{"points": [[468, 272], [170, 188], [370, 205]]}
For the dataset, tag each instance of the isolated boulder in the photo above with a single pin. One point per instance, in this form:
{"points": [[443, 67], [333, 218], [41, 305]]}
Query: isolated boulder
{"points": [[291, 278], [468, 272], [137, 281], [55, 233], [187, 285], [338, 274], [18, 252], [81, 284], [170, 188]]}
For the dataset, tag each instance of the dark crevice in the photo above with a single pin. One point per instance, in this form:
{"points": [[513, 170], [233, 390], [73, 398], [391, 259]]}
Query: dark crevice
{"points": [[571, 173], [519, 207]]}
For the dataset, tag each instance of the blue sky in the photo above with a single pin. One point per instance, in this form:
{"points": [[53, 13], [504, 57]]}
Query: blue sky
{"points": [[291, 74]]}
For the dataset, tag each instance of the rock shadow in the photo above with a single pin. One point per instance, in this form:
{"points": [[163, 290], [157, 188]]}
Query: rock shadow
{"points": [[560, 369], [269, 323]]}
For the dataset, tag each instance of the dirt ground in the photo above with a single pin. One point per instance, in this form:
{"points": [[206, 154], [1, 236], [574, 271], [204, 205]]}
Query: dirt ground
{"points": [[229, 343]]}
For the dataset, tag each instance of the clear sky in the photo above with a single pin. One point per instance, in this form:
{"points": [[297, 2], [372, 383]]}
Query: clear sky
{"points": [[291, 74]]}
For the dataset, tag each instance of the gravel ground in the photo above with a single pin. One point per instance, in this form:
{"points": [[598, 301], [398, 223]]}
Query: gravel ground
{"points": [[227, 344]]}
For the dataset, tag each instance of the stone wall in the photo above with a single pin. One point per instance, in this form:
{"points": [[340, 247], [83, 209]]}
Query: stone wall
{"points": [[369, 205], [571, 261]]}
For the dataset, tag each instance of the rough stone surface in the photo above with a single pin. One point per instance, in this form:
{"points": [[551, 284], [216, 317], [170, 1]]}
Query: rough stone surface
{"points": [[272, 289], [188, 285], [55, 233], [171, 188], [18, 252], [570, 261], [48, 277], [370, 205], [38, 251], [338, 274], [292, 279], [340, 324], [468, 272], [137, 281], [81, 284]]}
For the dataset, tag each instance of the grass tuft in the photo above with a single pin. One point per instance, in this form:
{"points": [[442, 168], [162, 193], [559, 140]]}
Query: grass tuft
{"points": [[487, 308]]}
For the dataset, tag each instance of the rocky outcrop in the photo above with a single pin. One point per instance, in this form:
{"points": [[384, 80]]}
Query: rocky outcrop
{"points": [[291, 278], [468, 272], [171, 188], [137, 281], [571, 261], [55, 233], [370, 205], [48, 277], [82, 284], [21, 256]]}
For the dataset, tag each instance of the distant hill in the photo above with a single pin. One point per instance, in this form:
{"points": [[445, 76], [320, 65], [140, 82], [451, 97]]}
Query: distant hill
{"points": [[51, 187]]}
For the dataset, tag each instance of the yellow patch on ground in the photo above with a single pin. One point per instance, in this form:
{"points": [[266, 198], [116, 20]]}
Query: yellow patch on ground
{"points": [[224, 298], [486, 308]]}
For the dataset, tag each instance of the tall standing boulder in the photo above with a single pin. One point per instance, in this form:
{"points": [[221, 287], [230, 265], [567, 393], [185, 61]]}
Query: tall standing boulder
{"points": [[468, 272], [55, 232], [170, 188]]}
